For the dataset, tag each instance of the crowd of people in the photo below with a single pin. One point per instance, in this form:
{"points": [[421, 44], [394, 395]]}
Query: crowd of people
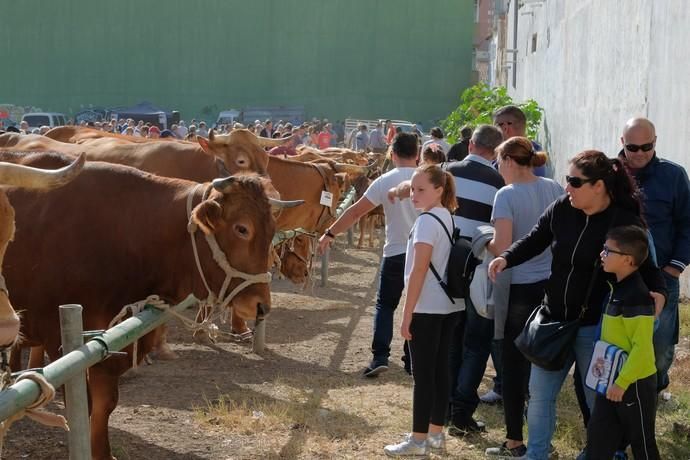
{"points": [[599, 256]]}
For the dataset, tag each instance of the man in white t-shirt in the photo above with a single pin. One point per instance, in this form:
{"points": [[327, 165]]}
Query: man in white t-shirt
{"points": [[400, 217]]}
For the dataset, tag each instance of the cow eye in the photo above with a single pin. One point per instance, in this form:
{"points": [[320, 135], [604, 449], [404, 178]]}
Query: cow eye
{"points": [[242, 231]]}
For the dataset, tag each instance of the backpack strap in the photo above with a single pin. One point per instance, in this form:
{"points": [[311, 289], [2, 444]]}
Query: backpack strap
{"points": [[450, 238], [443, 284]]}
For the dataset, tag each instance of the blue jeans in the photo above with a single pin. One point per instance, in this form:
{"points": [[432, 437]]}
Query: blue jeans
{"points": [[666, 335], [544, 387], [468, 357], [391, 284]]}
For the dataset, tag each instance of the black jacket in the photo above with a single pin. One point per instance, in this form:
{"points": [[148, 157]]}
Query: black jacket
{"points": [[576, 241], [666, 191]]}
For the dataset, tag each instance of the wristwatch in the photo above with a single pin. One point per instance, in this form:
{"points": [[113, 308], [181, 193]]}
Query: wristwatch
{"points": [[329, 233]]}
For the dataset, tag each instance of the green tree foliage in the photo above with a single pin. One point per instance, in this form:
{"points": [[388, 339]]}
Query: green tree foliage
{"points": [[478, 104]]}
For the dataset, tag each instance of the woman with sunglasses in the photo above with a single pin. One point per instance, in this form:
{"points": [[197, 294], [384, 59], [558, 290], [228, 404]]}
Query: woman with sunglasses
{"points": [[600, 195], [517, 207]]}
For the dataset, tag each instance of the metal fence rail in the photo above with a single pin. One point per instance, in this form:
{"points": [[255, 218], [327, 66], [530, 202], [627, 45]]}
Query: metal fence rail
{"points": [[23, 393], [325, 257]]}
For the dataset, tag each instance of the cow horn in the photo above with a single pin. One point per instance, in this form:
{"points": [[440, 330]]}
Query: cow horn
{"points": [[211, 134], [222, 183], [351, 169], [268, 142], [25, 176], [284, 204]]}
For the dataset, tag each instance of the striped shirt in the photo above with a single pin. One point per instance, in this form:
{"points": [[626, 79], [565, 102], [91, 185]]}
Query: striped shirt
{"points": [[476, 184]]}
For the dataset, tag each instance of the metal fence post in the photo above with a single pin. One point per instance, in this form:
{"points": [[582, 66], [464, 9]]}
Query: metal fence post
{"points": [[76, 399], [324, 266], [350, 236], [259, 336]]}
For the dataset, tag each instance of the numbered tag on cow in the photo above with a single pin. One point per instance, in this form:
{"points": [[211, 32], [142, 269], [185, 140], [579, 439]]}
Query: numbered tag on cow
{"points": [[326, 199]]}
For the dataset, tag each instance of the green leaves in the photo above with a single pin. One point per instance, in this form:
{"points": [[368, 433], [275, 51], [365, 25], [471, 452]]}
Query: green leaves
{"points": [[477, 106]]}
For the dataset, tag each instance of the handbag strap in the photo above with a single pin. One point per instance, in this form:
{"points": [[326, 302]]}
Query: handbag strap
{"points": [[590, 287]]}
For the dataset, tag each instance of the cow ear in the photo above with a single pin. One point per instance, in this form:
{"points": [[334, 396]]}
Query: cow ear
{"points": [[208, 216], [205, 146]]}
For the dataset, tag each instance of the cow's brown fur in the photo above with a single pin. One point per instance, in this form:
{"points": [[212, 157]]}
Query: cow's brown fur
{"points": [[116, 235]]}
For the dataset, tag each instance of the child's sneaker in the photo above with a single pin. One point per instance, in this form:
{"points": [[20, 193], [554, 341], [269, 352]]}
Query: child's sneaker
{"points": [[436, 442], [408, 448], [505, 452]]}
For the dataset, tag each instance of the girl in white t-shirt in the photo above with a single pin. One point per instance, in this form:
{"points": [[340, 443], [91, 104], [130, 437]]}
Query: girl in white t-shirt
{"points": [[429, 316]]}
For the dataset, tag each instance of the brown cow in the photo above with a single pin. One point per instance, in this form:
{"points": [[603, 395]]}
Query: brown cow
{"points": [[21, 176], [115, 235], [296, 258], [239, 151]]}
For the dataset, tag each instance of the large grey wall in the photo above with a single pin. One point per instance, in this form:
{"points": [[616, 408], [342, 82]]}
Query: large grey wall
{"points": [[598, 63]]}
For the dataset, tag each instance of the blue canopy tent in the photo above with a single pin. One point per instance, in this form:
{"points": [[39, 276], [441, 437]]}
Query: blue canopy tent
{"points": [[145, 111]]}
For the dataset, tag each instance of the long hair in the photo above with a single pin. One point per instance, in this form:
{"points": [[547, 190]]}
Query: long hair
{"points": [[620, 186], [440, 178], [521, 151]]}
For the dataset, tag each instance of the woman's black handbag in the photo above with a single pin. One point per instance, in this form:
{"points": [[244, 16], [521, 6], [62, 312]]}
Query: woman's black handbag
{"points": [[547, 342]]}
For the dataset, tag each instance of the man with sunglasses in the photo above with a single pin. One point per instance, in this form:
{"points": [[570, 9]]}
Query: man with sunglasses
{"points": [[511, 120], [666, 194]]}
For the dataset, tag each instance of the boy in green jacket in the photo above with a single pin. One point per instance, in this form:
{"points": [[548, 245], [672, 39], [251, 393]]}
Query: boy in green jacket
{"points": [[628, 410]]}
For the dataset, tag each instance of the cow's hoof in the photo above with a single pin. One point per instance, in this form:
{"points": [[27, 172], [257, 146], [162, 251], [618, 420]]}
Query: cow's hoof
{"points": [[203, 338], [243, 337], [165, 354]]}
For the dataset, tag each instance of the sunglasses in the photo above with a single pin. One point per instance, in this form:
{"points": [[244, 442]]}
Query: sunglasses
{"points": [[643, 147], [607, 250], [577, 182]]}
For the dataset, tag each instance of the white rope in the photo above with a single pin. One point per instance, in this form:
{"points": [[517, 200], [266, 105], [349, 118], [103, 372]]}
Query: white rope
{"points": [[33, 411], [134, 309], [214, 306]]}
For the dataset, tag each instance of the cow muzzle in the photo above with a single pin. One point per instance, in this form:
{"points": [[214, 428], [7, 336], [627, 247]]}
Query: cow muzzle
{"points": [[262, 310]]}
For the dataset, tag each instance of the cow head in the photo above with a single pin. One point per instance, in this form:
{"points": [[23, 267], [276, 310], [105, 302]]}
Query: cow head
{"points": [[237, 212], [241, 150], [295, 258]]}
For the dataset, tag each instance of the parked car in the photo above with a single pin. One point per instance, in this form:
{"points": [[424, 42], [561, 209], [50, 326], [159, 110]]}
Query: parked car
{"points": [[51, 119]]}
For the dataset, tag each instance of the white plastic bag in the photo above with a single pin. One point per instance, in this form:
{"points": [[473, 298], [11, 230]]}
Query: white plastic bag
{"points": [[482, 289]]}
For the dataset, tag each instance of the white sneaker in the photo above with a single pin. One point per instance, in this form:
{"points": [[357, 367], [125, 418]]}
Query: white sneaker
{"points": [[408, 448], [436, 442], [491, 397]]}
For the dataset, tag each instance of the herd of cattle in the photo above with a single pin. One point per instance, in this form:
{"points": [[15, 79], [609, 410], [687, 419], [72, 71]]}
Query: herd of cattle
{"points": [[120, 226]]}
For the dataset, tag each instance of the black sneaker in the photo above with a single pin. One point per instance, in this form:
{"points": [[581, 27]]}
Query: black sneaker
{"points": [[466, 428], [374, 369], [505, 452]]}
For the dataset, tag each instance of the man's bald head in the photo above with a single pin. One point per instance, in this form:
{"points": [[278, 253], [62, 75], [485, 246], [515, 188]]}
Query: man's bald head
{"points": [[640, 123], [639, 142]]}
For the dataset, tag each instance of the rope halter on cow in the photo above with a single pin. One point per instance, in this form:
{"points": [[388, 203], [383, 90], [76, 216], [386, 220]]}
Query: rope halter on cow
{"points": [[214, 306]]}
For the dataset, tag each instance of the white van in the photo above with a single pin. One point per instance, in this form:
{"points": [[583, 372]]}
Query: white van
{"points": [[227, 117], [51, 119]]}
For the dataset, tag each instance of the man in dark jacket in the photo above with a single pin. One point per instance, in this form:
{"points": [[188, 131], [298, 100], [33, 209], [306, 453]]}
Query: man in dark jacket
{"points": [[666, 193]]}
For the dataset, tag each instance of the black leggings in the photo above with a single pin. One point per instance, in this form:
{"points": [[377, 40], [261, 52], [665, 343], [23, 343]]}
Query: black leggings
{"points": [[524, 298], [429, 347]]}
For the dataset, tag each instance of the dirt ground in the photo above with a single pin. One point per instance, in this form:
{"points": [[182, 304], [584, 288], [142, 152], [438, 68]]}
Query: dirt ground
{"points": [[302, 398], [316, 344]]}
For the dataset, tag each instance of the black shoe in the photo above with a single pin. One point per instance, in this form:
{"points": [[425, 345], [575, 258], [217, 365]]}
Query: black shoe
{"points": [[503, 452], [463, 429], [374, 369]]}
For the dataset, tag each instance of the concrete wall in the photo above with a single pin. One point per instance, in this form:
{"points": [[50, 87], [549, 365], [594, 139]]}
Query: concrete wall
{"points": [[385, 58], [599, 62]]}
